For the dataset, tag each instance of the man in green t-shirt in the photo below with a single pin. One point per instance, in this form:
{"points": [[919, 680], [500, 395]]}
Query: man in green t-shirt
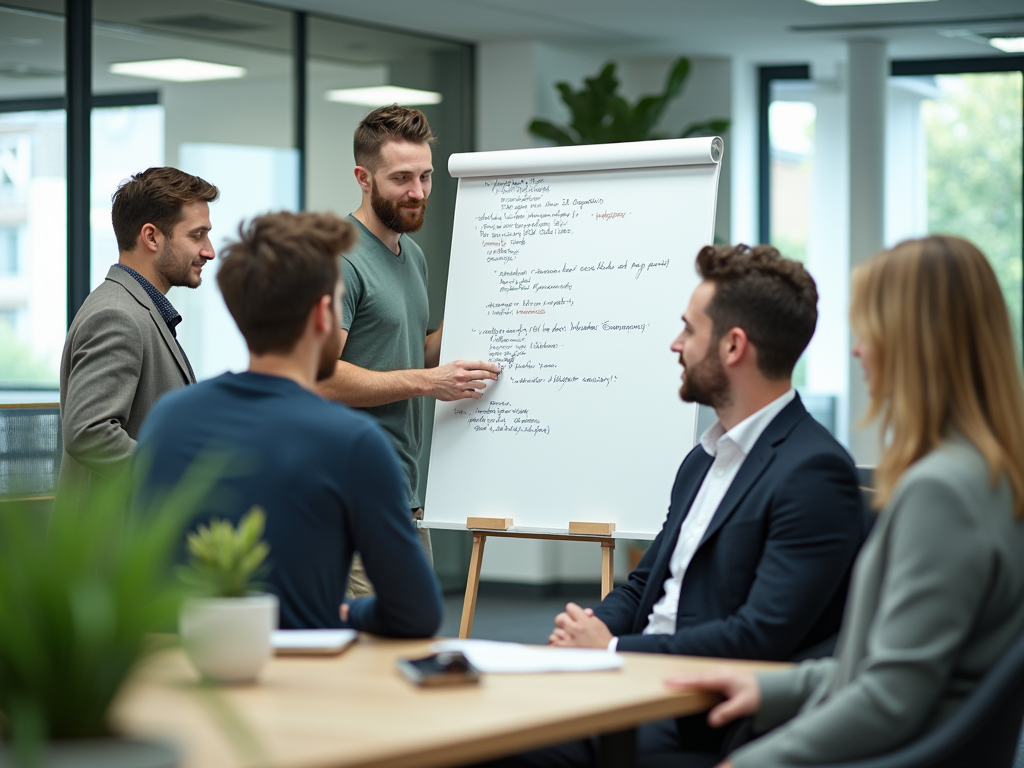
{"points": [[388, 361]]}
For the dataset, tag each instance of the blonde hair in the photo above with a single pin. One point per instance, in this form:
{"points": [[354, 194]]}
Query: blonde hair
{"points": [[942, 351]]}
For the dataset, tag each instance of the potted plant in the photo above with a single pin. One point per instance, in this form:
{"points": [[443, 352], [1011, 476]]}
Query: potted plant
{"points": [[78, 598], [226, 627], [601, 116]]}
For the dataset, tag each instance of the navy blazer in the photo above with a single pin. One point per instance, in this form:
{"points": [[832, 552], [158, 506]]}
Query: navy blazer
{"points": [[769, 577]]}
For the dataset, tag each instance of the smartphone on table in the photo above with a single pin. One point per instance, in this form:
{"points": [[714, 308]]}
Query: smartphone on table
{"points": [[446, 668]]}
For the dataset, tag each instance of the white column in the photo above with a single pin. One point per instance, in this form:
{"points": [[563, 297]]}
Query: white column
{"points": [[741, 147], [868, 78]]}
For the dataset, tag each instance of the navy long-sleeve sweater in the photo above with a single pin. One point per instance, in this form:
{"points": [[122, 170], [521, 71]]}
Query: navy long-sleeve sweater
{"points": [[330, 484]]}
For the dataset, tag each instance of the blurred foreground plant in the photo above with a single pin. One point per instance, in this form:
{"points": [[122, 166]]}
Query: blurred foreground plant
{"points": [[76, 602]]}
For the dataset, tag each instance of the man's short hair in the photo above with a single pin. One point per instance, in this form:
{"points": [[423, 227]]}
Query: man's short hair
{"points": [[384, 124], [282, 264], [773, 299], [155, 197]]}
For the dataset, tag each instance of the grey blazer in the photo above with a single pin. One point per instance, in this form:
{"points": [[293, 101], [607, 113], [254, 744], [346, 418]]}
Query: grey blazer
{"points": [[937, 596], [118, 359]]}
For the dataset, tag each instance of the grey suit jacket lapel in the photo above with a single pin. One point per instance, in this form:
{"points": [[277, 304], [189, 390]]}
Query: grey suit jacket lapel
{"points": [[130, 284], [755, 465]]}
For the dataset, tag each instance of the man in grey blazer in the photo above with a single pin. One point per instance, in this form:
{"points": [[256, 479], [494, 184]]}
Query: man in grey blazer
{"points": [[122, 352]]}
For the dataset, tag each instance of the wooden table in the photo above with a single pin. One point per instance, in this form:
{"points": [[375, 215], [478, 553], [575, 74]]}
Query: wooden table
{"points": [[355, 710]]}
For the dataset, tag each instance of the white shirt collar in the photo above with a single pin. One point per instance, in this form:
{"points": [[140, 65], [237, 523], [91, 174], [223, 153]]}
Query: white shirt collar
{"points": [[746, 433]]}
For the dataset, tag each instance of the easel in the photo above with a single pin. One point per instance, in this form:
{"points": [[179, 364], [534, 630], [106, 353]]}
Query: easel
{"points": [[482, 527]]}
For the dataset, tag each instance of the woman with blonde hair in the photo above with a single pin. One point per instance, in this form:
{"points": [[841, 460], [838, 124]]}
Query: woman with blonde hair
{"points": [[937, 593]]}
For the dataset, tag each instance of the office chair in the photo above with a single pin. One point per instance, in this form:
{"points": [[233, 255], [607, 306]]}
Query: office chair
{"points": [[985, 731]]}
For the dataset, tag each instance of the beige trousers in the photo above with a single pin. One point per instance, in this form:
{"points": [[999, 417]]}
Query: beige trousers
{"points": [[359, 585]]}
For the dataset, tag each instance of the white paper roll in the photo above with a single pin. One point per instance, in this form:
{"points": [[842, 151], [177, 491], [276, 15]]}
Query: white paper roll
{"points": [[587, 157]]}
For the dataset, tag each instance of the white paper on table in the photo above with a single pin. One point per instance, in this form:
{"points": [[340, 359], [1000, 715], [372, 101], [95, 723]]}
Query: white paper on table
{"points": [[313, 642], [515, 659]]}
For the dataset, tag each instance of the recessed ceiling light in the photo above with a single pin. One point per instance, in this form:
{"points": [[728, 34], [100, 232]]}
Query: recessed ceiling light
{"points": [[178, 70], [866, 2], [379, 95], [1008, 44]]}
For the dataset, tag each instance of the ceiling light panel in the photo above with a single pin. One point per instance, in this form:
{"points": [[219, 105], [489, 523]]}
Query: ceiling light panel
{"points": [[1008, 44], [177, 70], [379, 95]]}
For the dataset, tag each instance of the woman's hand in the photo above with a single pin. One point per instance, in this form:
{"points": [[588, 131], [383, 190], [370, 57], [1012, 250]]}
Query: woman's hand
{"points": [[741, 691]]}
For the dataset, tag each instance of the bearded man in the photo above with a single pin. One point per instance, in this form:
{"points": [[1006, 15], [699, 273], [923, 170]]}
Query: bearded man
{"points": [[765, 517], [389, 362], [121, 353]]}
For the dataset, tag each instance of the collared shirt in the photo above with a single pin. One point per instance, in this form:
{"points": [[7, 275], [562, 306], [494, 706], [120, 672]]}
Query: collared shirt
{"points": [[167, 311], [729, 450]]}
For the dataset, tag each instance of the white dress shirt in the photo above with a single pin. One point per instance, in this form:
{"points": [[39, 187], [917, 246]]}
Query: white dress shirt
{"points": [[729, 450]]}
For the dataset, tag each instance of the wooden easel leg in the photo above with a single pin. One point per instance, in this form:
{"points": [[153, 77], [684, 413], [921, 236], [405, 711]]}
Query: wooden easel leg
{"points": [[472, 585], [607, 567]]}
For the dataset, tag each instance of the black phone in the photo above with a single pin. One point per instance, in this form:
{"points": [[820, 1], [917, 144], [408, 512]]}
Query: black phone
{"points": [[447, 668]]}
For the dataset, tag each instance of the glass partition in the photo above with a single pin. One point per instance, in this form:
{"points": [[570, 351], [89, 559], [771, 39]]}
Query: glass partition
{"points": [[233, 127], [33, 198]]}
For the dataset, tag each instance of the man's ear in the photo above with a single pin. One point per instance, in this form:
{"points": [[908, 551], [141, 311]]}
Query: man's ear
{"points": [[363, 177], [149, 237], [323, 315], [735, 347]]}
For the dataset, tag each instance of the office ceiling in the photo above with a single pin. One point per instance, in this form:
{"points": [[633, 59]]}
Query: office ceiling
{"points": [[762, 30]]}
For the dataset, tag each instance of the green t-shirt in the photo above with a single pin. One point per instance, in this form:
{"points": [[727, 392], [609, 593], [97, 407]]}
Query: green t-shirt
{"points": [[385, 312]]}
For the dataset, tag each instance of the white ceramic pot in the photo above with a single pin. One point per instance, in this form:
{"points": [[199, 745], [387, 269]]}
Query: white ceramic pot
{"points": [[228, 638]]}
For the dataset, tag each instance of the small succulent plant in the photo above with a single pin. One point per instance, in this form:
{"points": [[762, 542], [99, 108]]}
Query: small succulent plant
{"points": [[225, 561]]}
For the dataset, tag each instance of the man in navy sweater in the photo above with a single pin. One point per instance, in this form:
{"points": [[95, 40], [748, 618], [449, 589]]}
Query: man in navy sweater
{"points": [[326, 476]]}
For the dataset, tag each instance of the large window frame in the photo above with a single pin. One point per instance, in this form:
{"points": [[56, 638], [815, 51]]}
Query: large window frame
{"points": [[898, 68], [79, 99]]}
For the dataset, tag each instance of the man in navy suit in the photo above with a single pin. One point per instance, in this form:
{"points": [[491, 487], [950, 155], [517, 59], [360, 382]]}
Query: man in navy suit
{"points": [[765, 516]]}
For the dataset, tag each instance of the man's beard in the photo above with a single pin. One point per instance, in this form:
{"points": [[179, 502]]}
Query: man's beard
{"points": [[329, 355], [705, 382], [391, 214], [177, 273]]}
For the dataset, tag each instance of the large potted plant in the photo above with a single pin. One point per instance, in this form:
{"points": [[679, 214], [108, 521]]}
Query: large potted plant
{"points": [[78, 599], [600, 115], [226, 627]]}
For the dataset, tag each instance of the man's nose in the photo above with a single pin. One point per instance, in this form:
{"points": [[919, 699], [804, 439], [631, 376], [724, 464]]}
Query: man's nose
{"points": [[207, 251], [416, 193]]}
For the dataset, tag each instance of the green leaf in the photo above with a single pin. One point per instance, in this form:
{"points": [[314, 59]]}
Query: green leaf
{"points": [[707, 128], [599, 114], [77, 600], [226, 561], [547, 130]]}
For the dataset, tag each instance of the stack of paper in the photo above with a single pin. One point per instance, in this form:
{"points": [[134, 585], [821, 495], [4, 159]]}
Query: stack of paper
{"points": [[512, 658]]}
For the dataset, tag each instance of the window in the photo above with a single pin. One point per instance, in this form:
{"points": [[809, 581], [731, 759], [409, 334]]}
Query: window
{"points": [[955, 167], [245, 134], [10, 256]]}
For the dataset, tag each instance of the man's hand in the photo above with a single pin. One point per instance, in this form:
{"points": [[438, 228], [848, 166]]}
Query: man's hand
{"points": [[579, 628], [343, 611], [461, 379], [741, 690]]}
